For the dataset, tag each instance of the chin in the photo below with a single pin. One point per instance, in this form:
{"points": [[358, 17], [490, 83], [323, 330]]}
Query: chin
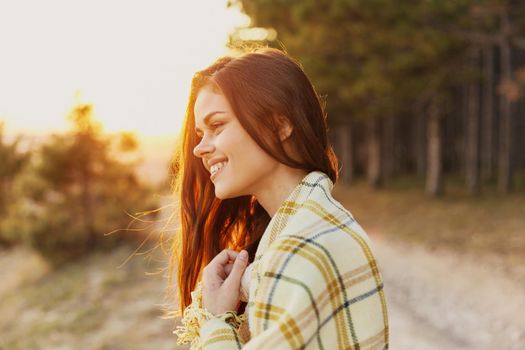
{"points": [[222, 193], [219, 195]]}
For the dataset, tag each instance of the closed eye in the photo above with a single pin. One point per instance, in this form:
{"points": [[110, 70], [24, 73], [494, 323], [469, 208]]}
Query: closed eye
{"points": [[216, 126], [213, 127]]}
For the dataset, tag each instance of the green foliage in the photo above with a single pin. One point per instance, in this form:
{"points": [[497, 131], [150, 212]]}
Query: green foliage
{"points": [[76, 190], [372, 58], [12, 163], [11, 159]]}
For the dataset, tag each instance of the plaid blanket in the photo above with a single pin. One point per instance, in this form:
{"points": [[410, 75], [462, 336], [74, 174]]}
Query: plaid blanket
{"points": [[315, 283]]}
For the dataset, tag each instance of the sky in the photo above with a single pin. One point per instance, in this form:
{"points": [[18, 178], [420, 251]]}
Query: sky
{"points": [[133, 60]]}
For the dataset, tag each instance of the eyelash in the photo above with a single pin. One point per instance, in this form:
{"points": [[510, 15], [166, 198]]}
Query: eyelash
{"points": [[214, 127], [217, 125]]}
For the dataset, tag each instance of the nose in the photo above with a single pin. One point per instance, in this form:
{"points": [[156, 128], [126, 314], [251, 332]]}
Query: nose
{"points": [[203, 147]]}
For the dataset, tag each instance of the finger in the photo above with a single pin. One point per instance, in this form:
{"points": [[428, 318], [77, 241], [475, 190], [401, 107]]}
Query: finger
{"points": [[224, 257], [234, 278], [228, 269], [215, 270]]}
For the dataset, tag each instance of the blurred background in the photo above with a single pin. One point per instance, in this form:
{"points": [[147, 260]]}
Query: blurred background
{"points": [[426, 111]]}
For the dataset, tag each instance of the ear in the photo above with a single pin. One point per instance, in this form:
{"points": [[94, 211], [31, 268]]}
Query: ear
{"points": [[285, 128]]}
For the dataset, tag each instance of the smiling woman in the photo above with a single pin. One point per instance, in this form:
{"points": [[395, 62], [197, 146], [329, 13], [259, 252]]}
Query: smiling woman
{"points": [[133, 60], [268, 259]]}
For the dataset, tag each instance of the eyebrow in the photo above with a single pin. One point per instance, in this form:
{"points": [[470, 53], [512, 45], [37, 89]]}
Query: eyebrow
{"points": [[207, 118]]}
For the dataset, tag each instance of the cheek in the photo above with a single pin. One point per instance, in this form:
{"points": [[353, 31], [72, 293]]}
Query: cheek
{"points": [[244, 153], [249, 159], [234, 142]]}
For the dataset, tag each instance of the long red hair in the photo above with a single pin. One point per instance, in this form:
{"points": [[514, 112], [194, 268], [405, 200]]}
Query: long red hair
{"points": [[262, 87]]}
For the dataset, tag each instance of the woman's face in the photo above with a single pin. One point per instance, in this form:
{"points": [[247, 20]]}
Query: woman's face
{"points": [[237, 165]]}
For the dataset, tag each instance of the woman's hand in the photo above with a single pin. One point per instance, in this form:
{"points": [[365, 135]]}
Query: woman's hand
{"points": [[221, 280]]}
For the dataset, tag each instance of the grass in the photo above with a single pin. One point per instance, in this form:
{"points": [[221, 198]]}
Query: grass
{"points": [[488, 224], [89, 304]]}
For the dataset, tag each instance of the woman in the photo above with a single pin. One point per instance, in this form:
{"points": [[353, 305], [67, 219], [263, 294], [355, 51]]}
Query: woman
{"points": [[254, 174]]}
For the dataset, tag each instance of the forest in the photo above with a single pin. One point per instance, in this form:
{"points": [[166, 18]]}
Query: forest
{"points": [[427, 90]]}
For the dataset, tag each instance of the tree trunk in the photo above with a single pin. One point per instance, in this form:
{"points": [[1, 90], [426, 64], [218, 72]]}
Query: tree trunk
{"points": [[374, 153], [419, 144], [344, 132], [505, 139], [472, 144], [434, 181], [389, 150], [487, 129]]}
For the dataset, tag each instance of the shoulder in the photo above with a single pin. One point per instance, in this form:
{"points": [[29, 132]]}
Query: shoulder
{"points": [[323, 222], [322, 237], [316, 237]]}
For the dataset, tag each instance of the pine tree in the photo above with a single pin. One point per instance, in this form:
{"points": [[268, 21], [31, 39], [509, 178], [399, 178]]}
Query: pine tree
{"points": [[77, 190]]}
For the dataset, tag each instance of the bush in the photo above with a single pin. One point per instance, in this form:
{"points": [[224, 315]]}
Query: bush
{"points": [[75, 191]]}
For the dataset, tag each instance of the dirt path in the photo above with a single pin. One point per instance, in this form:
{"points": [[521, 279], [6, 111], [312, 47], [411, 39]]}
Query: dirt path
{"points": [[436, 299], [443, 300]]}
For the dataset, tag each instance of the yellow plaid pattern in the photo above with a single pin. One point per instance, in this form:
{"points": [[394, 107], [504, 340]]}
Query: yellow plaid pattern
{"points": [[315, 282]]}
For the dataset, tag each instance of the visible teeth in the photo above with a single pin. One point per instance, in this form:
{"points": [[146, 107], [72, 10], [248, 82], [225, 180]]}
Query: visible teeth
{"points": [[216, 167]]}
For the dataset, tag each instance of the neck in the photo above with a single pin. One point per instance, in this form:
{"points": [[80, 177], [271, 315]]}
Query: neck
{"points": [[278, 187]]}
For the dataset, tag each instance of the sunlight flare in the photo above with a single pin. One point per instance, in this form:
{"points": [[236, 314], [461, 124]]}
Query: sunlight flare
{"points": [[133, 60]]}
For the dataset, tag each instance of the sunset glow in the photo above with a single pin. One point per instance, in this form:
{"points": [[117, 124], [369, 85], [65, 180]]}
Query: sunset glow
{"points": [[132, 60]]}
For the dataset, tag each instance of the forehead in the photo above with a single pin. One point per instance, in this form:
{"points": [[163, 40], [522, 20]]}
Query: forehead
{"points": [[209, 101]]}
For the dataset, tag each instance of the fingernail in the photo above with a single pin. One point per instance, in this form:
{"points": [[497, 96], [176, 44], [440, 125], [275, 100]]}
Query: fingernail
{"points": [[243, 255]]}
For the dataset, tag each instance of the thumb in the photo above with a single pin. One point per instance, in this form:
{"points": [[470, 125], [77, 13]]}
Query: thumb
{"points": [[234, 278]]}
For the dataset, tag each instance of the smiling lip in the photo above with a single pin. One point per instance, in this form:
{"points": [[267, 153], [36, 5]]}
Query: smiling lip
{"points": [[215, 161], [214, 175]]}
